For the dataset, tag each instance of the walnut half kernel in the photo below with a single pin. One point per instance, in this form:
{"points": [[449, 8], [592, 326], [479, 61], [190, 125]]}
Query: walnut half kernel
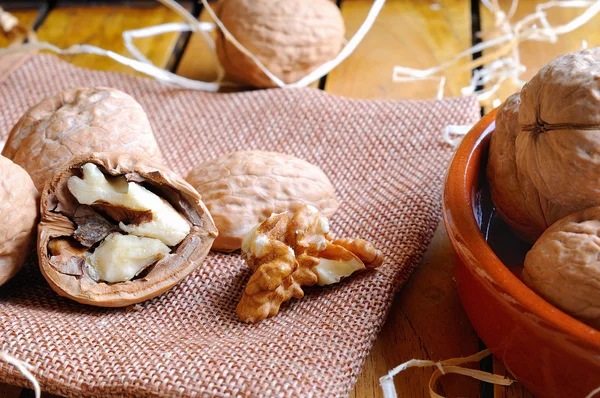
{"points": [[294, 249], [152, 222]]}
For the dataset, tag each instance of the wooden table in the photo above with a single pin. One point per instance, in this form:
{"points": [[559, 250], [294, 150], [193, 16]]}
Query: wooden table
{"points": [[426, 320]]}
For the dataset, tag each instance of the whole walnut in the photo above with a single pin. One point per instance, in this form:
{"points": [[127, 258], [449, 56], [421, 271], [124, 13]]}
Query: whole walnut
{"points": [[291, 38], [564, 267], [558, 148], [242, 189], [18, 217], [517, 200], [79, 121]]}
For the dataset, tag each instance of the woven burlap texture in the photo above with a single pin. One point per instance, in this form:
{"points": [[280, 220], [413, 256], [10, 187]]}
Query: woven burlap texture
{"points": [[387, 161]]}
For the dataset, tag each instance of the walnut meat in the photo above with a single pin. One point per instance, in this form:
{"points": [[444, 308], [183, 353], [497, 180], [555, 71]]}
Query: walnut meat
{"points": [[18, 217], [290, 38], [291, 250], [244, 188], [559, 146], [117, 229], [564, 268], [79, 121], [517, 200]]}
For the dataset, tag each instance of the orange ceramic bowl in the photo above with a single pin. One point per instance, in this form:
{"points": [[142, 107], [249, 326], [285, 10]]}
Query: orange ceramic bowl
{"points": [[549, 352]]}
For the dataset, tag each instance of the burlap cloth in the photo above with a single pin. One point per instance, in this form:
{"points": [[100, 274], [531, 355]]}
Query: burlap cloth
{"points": [[387, 161]]}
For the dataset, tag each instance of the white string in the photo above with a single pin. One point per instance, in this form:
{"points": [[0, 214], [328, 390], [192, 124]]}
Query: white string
{"points": [[23, 368], [593, 393], [7, 21], [142, 67], [459, 131], [129, 35], [504, 46], [443, 367]]}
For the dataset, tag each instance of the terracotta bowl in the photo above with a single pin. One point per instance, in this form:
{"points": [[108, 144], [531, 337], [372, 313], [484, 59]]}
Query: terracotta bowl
{"points": [[549, 352]]}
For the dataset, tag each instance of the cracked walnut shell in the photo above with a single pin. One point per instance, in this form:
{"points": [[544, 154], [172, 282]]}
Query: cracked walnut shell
{"points": [[291, 250], [564, 267], [517, 201], [18, 217], [244, 188], [78, 121], [290, 38], [558, 148], [117, 229]]}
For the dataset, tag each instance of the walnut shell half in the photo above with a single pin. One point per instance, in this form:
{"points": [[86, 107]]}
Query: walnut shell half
{"points": [[244, 188], [75, 121], [517, 200], [291, 38], [564, 267], [18, 217], [70, 233]]}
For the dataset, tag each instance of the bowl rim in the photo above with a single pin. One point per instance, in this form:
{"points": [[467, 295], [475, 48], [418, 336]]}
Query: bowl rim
{"points": [[463, 230]]}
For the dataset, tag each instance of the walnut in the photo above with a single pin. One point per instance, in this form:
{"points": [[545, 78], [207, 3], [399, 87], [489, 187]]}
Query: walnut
{"points": [[558, 147], [517, 200], [244, 188], [294, 249], [117, 229], [564, 267], [290, 38], [18, 217], [78, 121]]}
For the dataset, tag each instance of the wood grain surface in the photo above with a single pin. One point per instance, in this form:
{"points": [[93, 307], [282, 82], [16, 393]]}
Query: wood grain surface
{"points": [[426, 319], [417, 34], [103, 26]]}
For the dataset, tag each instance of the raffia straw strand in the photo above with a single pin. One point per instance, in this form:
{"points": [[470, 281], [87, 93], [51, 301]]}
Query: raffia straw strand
{"points": [[447, 366], [503, 45], [593, 393], [23, 368]]}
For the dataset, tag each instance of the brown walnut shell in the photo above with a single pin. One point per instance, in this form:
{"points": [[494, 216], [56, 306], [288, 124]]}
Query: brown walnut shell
{"points": [[78, 121], [559, 146], [242, 189], [18, 218], [291, 38], [564, 267], [58, 207], [518, 202]]}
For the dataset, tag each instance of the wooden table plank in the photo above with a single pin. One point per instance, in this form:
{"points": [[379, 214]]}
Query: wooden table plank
{"points": [[426, 319], [102, 26], [199, 62], [410, 33]]}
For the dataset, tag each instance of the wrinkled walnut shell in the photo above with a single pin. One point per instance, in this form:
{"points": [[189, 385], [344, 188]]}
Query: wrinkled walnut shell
{"points": [[517, 201], [58, 207], [18, 217], [78, 121], [559, 146], [564, 267], [290, 38], [244, 188]]}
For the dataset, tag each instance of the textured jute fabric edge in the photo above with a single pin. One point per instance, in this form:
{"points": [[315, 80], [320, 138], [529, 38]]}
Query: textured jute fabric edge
{"points": [[10, 63]]}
